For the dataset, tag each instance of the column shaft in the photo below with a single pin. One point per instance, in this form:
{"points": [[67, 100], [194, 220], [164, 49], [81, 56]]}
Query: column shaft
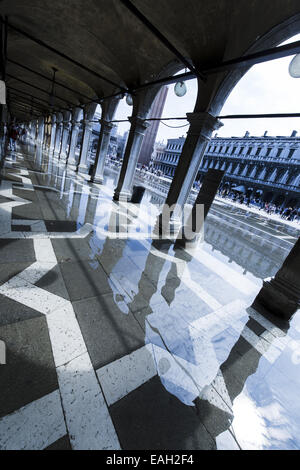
{"points": [[201, 127], [41, 130], [65, 134], [58, 137], [52, 135], [102, 148], [82, 164], [73, 142], [205, 198], [137, 131]]}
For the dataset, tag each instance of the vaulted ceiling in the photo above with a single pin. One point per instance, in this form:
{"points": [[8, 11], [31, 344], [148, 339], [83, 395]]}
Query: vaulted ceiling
{"points": [[116, 50]]}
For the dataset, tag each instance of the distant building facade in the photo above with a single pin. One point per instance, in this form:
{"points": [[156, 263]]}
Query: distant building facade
{"points": [[266, 167], [151, 132], [166, 158]]}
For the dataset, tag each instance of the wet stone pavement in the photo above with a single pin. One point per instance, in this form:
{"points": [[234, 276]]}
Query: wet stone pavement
{"points": [[118, 343]]}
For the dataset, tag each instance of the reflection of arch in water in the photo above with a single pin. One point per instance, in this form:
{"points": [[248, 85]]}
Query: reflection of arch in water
{"points": [[255, 254], [242, 362], [189, 362]]}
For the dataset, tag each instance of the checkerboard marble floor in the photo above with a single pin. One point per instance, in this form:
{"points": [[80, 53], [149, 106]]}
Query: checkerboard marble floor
{"points": [[126, 343]]}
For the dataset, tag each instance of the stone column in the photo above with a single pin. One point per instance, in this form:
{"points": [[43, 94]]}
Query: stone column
{"points": [[53, 132], [58, 134], [87, 130], [41, 130], [202, 125], [108, 110], [65, 134], [3, 120], [46, 131], [281, 295], [205, 198], [73, 142], [33, 130], [102, 148], [38, 155], [137, 131]]}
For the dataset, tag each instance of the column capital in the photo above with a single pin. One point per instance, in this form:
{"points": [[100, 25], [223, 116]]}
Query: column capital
{"points": [[203, 124], [139, 122], [106, 124]]}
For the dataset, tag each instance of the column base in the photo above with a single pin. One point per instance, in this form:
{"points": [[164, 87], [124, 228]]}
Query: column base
{"points": [[82, 169], [166, 230], [97, 180], [182, 242], [122, 196], [277, 299], [71, 166]]}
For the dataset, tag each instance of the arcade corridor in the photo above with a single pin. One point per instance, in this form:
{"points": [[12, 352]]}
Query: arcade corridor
{"points": [[127, 343]]}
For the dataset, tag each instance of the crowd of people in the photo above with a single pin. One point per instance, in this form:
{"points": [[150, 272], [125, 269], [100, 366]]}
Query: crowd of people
{"points": [[285, 212]]}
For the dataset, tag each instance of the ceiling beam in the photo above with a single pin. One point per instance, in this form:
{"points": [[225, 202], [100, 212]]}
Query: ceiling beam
{"points": [[32, 96], [64, 56], [256, 58], [249, 60], [260, 116], [3, 47], [40, 89], [156, 32], [49, 79], [16, 98], [19, 106]]}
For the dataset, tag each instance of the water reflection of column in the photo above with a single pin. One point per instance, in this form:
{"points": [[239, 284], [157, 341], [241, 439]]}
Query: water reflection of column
{"points": [[75, 200], [70, 192], [215, 403], [112, 250], [153, 267], [53, 132], [83, 205], [281, 294], [38, 156], [62, 187]]}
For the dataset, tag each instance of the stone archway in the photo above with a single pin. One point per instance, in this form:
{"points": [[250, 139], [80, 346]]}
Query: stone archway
{"points": [[279, 200], [273, 38], [293, 202], [268, 196]]}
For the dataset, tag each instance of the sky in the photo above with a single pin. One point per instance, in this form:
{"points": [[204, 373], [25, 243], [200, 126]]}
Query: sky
{"points": [[265, 88]]}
